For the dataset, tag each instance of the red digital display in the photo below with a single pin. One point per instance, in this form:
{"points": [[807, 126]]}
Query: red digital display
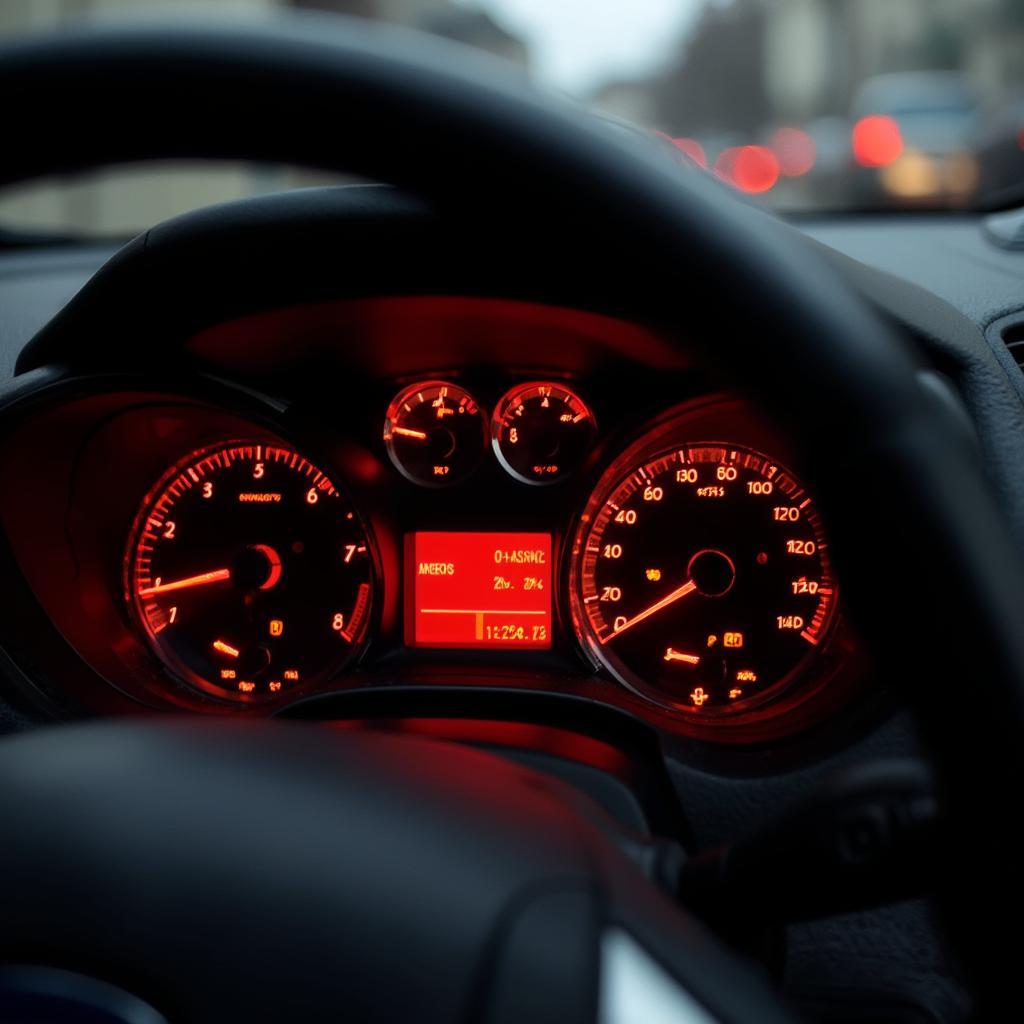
{"points": [[478, 590]]}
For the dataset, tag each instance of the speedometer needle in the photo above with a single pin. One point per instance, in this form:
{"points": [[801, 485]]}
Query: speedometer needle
{"points": [[192, 581], [687, 588]]}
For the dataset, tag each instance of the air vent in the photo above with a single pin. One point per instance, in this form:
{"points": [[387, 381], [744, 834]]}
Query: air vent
{"points": [[1009, 332], [1013, 339]]}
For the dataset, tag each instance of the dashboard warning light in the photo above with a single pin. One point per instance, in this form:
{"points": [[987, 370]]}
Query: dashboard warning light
{"points": [[699, 696], [653, 575], [732, 640]]}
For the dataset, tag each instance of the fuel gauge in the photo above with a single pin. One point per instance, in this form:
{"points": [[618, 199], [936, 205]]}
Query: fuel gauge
{"points": [[541, 432], [435, 433]]}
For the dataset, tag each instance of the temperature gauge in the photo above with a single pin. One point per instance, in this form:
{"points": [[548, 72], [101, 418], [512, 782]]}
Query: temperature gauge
{"points": [[435, 433], [541, 432]]}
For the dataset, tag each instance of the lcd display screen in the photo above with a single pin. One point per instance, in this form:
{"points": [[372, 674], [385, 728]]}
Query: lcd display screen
{"points": [[478, 590]]}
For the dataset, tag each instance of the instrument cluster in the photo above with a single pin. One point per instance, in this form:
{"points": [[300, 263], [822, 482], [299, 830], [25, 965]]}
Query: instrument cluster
{"points": [[515, 529]]}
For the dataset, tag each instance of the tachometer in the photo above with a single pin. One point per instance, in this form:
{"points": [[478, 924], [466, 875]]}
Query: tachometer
{"points": [[249, 572], [702, 578]]}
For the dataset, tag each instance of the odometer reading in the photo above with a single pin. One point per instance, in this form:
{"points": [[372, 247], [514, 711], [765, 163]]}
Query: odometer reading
{"points": [[249, 572], [702, 578]]}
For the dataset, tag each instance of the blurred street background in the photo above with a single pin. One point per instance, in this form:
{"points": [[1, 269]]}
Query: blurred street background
{"points": [[808, 104]]}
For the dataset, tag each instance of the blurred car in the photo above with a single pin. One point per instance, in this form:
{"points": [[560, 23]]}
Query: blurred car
{"points": [[999, 146], [911, 140]]}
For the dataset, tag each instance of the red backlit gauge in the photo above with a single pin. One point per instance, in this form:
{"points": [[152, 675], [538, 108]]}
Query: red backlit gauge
{"points": [[702, 580], [249, 572], [541, 432], [435, 433], [479, 590]]}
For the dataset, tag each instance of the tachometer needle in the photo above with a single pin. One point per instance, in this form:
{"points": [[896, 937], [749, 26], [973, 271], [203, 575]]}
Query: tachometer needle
{"points": [[416, 435], [689, 659], [231, 652], [192, 581], [687, 588]]}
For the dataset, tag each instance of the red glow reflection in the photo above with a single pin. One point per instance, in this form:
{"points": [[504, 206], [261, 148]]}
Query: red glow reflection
{"points": [[693, 149], [877, 141], [751, 169], [562, 743], [795, 151]]}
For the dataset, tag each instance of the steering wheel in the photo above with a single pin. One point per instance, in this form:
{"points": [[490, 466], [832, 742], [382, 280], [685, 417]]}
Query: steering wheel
{"points": [[239, 871]]}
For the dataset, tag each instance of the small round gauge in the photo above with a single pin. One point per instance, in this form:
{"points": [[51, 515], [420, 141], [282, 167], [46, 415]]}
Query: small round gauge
{"points": [[701, 578], [435, 433], [249, 572], [541, 432]]}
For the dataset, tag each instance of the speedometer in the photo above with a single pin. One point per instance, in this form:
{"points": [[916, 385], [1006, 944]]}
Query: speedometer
{"points": [[701, 578]]}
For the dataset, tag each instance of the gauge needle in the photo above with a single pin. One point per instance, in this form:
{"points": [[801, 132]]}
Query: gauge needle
{"points": [[192, 581], [231, 652], [689, 659], [687, 588], [416, 435]]}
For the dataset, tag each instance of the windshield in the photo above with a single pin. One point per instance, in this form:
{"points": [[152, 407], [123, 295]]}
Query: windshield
{"points": [[804, 104]]}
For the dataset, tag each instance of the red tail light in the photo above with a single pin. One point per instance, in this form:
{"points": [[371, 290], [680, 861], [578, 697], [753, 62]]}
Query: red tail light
{"points": [[877, 141], [752, 169]]}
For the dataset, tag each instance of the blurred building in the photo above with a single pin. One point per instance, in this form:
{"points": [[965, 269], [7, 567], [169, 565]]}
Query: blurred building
{"points": [[818, 52], [475, 28], [124, 200], [714, 80], [748, 63], [632, 99], [469, 26]]}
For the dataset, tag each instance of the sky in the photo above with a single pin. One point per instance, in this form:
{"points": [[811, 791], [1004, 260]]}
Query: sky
{"points": [[577, 44], [574, 45]]}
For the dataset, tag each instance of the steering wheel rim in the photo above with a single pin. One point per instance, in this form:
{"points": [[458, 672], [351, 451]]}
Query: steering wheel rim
{"points": [[898, 485]]}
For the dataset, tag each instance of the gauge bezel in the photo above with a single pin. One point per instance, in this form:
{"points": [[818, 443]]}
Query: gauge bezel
{"points": [[170, 664], [391, 420], [616, 665]]}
